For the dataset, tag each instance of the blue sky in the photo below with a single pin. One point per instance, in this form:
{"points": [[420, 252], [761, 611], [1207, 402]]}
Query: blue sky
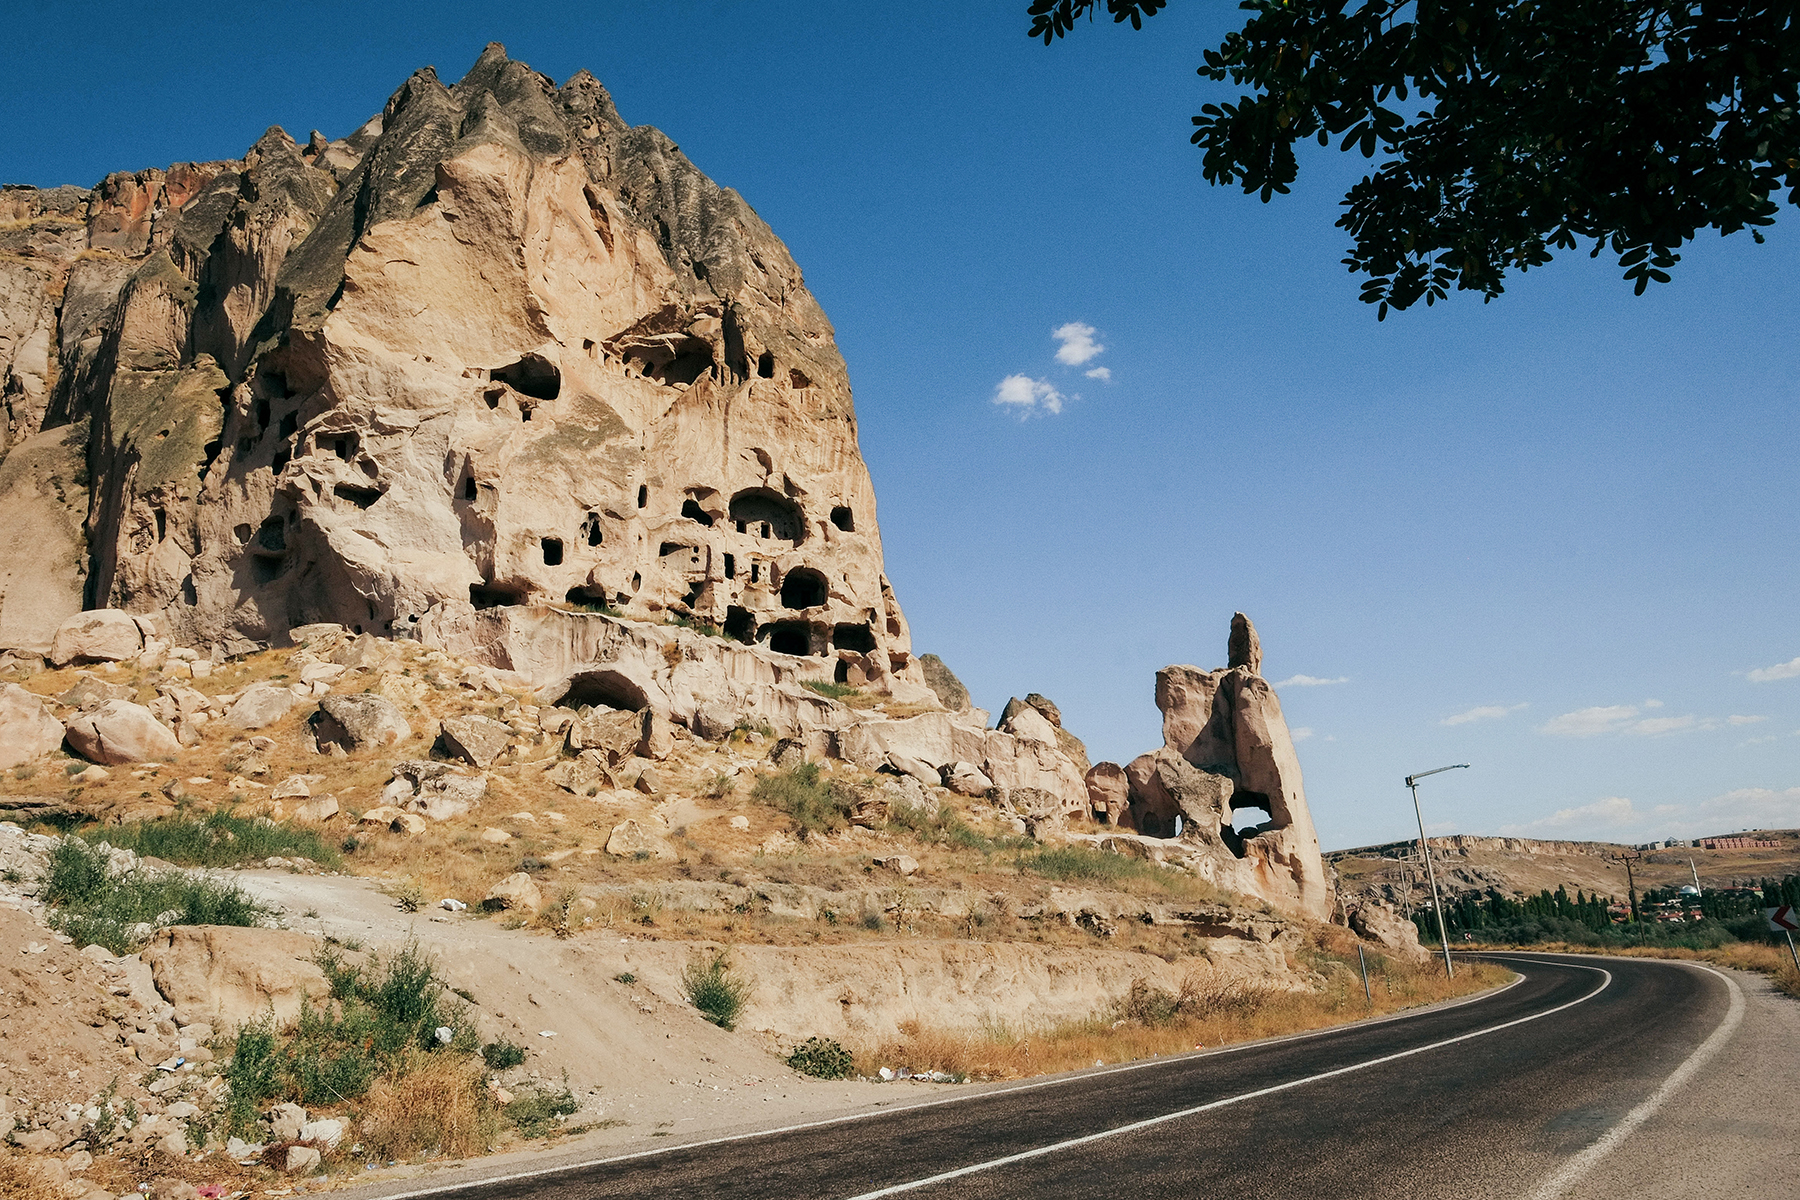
{"points": [[1552, 536]]}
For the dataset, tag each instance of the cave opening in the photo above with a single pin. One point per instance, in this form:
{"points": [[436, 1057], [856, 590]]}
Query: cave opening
{"points": [[603, 689], [843, 519], [739, 624], [859, 638], [533, 375], [553, 551], [591, 531], [771, 513], [690, 508], [790, 637], [803, 587]]}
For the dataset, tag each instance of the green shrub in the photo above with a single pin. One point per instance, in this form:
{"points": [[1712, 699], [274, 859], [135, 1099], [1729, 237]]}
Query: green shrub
{"points": [[713, 987], [380, 1019], [220, 839], [831, 691], [96, 907], [816, 804], [536, 1106], [822, 1058], [1083, 863], [502, 1055]]}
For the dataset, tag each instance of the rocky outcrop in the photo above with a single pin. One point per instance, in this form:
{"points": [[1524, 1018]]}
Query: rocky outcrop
{"points": [[496, 348], [1226, 753], [234, 975], [27, 729]]}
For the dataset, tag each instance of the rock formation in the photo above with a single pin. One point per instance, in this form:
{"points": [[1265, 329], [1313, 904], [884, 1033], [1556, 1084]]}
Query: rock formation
{"points": [[494, 349], [1226, 751]]}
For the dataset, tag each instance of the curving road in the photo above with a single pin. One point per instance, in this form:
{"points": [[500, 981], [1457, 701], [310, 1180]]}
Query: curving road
{"points": [[1580, 1068]]}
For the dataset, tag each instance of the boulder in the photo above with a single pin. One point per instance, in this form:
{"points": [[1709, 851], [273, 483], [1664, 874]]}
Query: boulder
{"points": [[966, 779], [383, 815], [713, 721], [583, 775], [91, 691], [943, 682], [408, 825], [516, 891], [301, 1159], [121, 732], [1028, 724], [1164, 785], [656, 735], [614, 732], [633, 839], [359, 722], [1381, 923], [295, 787], [27, 730], [495, 837], [286, 1121], [313, 812], [922, 771], [326, 1132], [435, 790], [476, 740], [102, 635], [228, 975], [259, 705], [900, 864], [788, 754]]}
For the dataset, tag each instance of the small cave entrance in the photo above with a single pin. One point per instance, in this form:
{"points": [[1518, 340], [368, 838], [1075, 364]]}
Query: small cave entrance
{"points": [[690, 508], [362, 497], [739, 624], [553, 551], [790, 637], [859, 638], [842, 517], [803, 587], [768, 514], [487, 595], [603, 689], [591, 533], [533, 375], [290, 424], [470, 489], [765, 365]]}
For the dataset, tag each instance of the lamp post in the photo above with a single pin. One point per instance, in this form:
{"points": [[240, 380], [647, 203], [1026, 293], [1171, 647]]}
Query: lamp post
{"points": [[1437, 906]]}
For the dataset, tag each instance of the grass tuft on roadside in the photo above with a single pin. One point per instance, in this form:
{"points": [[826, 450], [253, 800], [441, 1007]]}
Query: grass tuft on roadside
{"points": [[96, 906]]}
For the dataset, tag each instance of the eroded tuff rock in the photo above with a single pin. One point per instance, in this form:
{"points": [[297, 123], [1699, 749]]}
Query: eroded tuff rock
{"points": [[495, 348], [1226, 752]]}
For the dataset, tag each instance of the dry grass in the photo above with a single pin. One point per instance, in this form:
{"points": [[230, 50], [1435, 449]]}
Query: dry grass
{"points": [[1211, 1010], [433, 1103], [21, 1178], [1764, 959]]}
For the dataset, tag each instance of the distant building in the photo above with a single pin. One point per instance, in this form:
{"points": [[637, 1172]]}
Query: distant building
{"points": [[1738, 843]]}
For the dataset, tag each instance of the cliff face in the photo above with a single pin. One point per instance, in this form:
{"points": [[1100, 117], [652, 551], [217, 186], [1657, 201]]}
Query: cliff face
{"points": [[495, 348]]}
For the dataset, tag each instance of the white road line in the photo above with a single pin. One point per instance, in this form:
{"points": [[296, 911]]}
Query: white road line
{"points": [[1135, 1126], [1034, 1085], [1572, 1171]]}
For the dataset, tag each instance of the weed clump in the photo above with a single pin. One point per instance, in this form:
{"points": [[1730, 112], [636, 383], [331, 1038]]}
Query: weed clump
{"points": [[502, 1055], [816, 804], [221, 839], [1085, 864], [822, 1058], [95, 906], [831, 691], [382, 1020], [714, 988], [537, 1106]]}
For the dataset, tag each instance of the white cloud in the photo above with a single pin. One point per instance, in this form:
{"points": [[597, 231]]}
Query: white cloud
{"points": [[1026, 395], [1101, 373], [1737, 720], [1300, 733], [1485, 712], [1078, 344], [1786, 670], [1628, 718], [1590, 722], [1311, 681], [1616, 818], [1613, 812]]}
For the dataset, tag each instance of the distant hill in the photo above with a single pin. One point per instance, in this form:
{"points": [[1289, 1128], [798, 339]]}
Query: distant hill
{"points": [[1525, 866]]}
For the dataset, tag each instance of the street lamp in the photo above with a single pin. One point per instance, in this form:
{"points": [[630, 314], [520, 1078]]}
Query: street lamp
{"points": [[1412, 781]]}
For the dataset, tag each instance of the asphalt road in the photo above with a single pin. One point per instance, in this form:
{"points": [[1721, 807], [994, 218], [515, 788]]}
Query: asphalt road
{"points": [[1523, 1093]]}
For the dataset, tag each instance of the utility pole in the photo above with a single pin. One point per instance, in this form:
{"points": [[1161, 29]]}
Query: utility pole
{"points": [[1628, 857], [1437, 905]]}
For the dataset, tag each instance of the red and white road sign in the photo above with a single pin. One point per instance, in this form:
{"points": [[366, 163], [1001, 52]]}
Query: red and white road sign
{"points": [[1783, 919]]}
